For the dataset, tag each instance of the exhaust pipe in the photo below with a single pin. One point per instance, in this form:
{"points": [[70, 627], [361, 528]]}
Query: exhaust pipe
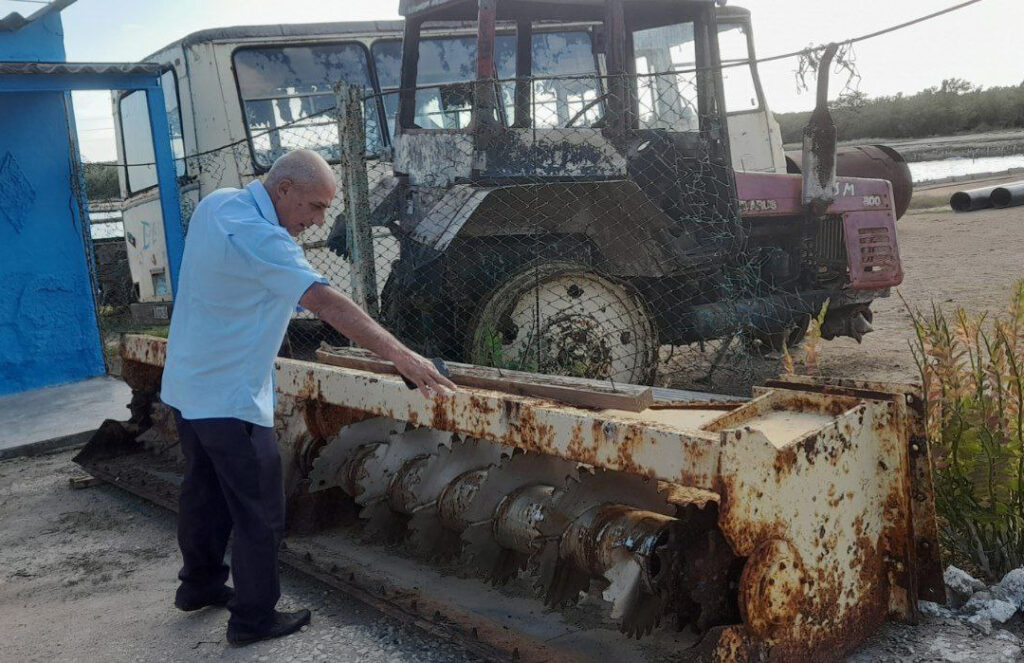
{"points": [[819, 147]]}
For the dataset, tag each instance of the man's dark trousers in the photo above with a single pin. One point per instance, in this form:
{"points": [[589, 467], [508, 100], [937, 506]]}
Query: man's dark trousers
{"points": [[232, 480]]}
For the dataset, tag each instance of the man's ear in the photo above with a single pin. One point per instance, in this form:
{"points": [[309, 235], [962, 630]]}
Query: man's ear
{"points": [[284, 186]]}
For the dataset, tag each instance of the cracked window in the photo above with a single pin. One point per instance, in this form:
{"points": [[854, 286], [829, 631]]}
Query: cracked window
{"points": [[287, 93], [564, 79]]}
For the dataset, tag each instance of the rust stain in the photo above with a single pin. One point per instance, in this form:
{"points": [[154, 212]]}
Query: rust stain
{"points": [[324, 420], [481, 405], [443, 413], [578, 449], [632, 440], [785, 461], [141, 376]]}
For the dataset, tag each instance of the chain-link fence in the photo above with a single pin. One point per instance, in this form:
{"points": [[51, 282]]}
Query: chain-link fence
{"points": [[578, 225]]}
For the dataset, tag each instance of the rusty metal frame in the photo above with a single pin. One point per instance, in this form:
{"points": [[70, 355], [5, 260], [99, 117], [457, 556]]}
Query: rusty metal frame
{"points": [[818, 486]]}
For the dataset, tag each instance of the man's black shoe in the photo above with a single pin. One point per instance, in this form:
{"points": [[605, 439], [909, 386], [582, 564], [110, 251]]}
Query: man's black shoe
{"points": [[219, 599], [285, 623]]}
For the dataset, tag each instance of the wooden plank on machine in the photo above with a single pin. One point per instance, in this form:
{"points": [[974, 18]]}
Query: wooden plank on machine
{"points": [[582, 392]]}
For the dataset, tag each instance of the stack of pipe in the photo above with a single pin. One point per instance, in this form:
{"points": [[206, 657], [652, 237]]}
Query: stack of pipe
{"points": [[1006, 195]]}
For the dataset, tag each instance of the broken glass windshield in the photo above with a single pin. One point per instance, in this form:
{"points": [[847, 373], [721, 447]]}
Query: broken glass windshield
{"points": [[447, 67], [288, 91]]}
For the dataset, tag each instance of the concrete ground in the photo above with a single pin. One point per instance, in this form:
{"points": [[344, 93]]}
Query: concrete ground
{"points": [[89, 575], [55, 412]]}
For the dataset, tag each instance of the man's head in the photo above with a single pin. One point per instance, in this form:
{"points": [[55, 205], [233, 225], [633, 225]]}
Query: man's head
{"points": [[301, 186]]}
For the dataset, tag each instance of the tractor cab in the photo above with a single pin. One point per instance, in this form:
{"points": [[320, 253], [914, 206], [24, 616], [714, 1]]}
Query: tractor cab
{"points": [[566, 202], [637, 74]]}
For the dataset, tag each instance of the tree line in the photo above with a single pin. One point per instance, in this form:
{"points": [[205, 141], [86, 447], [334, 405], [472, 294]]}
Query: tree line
{"points": [[956, 106]]}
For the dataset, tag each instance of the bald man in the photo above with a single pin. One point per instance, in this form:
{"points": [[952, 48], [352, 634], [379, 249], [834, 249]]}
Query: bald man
{"points": [[242, 276]]}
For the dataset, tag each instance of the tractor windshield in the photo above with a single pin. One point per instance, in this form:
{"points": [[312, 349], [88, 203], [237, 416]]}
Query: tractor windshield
{"points": [[565, 79], [666, 78]]}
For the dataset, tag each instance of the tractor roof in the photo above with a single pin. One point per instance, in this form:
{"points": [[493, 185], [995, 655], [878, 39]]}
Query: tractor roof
{"points": [[464, 10]]}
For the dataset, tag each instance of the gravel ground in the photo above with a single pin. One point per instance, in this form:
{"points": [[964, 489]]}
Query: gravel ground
{"points": [[89, 575]]}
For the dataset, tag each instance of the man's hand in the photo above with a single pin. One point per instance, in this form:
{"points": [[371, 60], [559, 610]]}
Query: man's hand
{"points": [[422, 372], [343, 314]]}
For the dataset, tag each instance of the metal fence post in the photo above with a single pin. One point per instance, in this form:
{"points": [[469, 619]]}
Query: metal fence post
{"points": [[354, 182]]}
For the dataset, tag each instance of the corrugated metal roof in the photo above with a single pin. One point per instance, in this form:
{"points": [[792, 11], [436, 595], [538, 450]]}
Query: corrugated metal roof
{"points": [[45, 68], [15, 21]]}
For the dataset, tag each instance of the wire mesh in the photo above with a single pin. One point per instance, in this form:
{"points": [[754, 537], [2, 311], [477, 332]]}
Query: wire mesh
{"points": [[577, 225]]}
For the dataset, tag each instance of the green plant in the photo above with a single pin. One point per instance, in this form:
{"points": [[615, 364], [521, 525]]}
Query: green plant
{"points": [[972, 373], [489, 352]]}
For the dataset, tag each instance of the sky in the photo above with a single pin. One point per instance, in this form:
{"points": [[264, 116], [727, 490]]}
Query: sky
{"points": [[980, 43]]}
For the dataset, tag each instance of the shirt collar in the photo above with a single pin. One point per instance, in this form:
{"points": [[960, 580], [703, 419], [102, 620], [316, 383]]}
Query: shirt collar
{"points": [[263, 201]]}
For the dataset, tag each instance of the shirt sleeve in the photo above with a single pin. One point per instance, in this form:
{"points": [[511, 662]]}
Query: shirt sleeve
{"points": [[277, 261]]}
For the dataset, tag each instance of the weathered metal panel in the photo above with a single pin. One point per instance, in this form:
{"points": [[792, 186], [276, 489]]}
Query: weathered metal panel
{"points": [[765, 194], [553, 153], [434, 158]]}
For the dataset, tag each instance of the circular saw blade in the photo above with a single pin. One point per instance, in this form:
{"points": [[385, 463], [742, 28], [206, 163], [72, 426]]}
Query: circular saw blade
{"points": [[554, 580], [428, 535], [482, 549], [519, 471], [381, 467], [328, 465], [450, 462], [429, 539]]}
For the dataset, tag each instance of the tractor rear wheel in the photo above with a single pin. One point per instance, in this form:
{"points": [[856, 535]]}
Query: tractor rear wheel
{"points": [[564, 318]]}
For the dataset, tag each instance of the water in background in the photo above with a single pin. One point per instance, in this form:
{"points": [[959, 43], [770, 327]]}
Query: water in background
{"points": [[925, 171]]}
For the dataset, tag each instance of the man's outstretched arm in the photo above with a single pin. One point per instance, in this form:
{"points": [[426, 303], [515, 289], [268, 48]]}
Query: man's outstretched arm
{"points": [[340, 312]]}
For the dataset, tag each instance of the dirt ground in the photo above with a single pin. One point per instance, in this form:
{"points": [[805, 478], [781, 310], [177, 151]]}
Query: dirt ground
{"points": [[970, 259]]}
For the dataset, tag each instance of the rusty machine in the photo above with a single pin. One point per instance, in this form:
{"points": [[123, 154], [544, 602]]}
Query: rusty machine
{"points": [[792, 524], [544, 518]]}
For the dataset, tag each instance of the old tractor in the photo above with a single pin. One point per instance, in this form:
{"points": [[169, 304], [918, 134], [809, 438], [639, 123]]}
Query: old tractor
{"points": [[574, 224]]}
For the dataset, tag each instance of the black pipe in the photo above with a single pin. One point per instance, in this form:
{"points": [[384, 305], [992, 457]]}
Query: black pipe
{"points": [[768, 315], [972, 199], [1008, 195]]}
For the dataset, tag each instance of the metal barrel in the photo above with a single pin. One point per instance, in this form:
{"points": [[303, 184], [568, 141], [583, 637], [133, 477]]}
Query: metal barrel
{"points": [[972, 199], [1008, 195]]}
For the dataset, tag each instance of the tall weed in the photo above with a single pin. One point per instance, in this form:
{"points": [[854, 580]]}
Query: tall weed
{"points": [[972, 373]]}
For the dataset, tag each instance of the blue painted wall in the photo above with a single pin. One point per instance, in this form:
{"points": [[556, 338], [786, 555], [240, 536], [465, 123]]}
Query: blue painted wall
{"points": [[48, 329]]}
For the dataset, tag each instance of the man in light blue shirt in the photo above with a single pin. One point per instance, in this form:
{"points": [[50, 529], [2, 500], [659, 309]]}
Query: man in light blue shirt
{"points": [[242, 276]]}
